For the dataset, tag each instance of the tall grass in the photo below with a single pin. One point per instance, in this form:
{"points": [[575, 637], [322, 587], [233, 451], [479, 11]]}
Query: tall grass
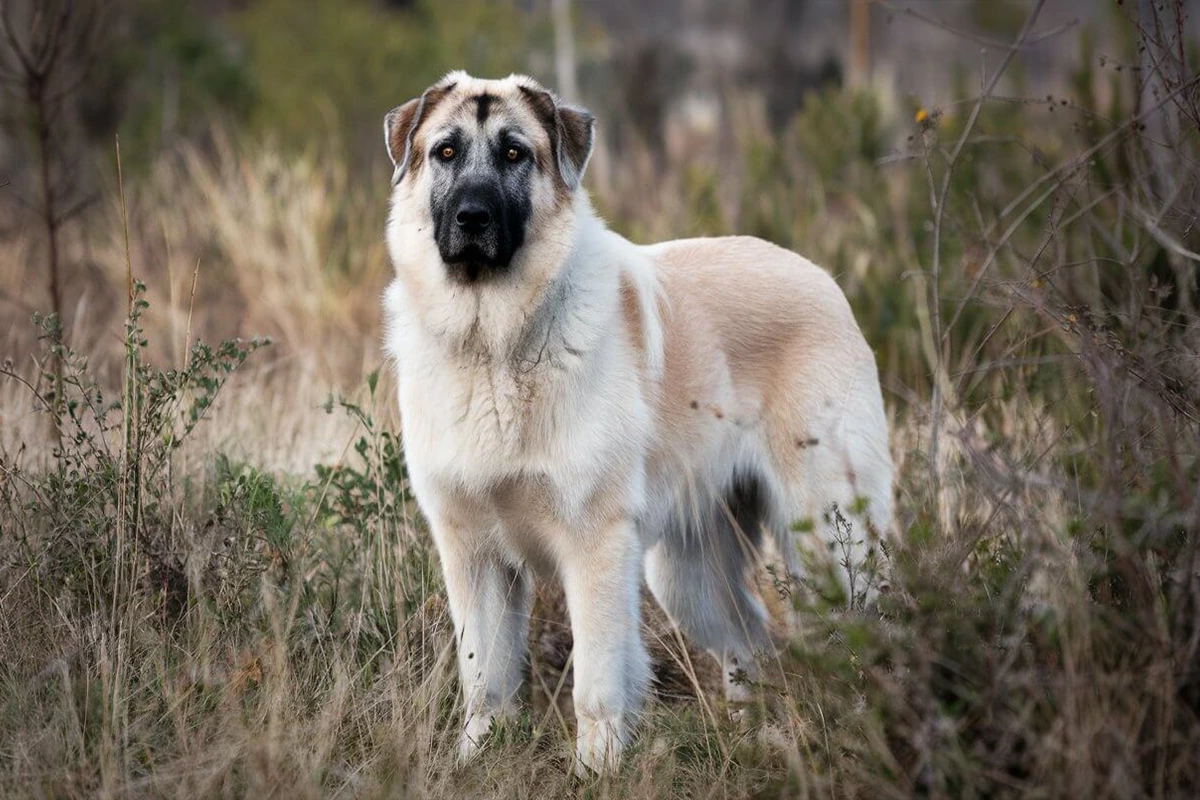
{"points": [[189, 611]]}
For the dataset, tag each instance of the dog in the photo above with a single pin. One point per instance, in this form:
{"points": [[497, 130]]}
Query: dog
{"points": [[580, 407]]}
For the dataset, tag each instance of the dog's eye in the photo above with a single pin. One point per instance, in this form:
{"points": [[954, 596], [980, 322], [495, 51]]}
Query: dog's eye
{"points": [[447, 153], [513, 154]]}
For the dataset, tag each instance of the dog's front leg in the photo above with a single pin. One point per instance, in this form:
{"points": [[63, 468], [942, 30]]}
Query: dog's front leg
{"points": [[602, 579], [489, 603]]}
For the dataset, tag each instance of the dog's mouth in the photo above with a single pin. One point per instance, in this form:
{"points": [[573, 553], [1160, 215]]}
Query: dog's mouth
{"points": [[472, 263]]}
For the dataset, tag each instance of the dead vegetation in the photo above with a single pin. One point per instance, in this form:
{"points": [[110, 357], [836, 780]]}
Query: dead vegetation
{"points": [[218, 584]]}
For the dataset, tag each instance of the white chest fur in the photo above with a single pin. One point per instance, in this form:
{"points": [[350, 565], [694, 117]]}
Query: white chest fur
{"points": [[559, 409]]}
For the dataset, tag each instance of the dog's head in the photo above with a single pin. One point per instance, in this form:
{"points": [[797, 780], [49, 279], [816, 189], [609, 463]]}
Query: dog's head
{"points": [[487, 164]]}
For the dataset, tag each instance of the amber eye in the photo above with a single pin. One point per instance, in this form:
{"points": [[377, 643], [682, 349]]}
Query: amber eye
{"points": [[447, 153], [513, 154]]}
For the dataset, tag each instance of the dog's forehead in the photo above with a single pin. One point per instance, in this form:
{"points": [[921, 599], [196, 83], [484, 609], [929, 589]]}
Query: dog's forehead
{"points": [[486, 106]]}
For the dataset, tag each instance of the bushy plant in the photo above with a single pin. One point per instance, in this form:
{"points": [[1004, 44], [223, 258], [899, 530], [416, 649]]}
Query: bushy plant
{"points": [[103, 509]]}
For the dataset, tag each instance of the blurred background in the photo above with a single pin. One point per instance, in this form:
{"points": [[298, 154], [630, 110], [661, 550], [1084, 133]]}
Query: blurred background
{"points": [[253, 170]]}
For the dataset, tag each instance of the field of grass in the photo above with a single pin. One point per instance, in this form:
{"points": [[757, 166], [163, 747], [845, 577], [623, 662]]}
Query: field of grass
{"points": [[214, 582]]}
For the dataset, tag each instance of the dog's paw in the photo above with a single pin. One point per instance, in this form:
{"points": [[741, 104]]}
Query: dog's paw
{"points": [[599, 744], [739, 677], [474, 734], [737, 688]]}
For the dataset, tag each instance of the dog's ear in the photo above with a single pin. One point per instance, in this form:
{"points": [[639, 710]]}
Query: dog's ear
{"points": [[571, 131], [400, 126], [576, 135]]}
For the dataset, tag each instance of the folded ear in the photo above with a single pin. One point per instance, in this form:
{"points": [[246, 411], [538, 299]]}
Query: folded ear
{"points": [[400, 126], [571, 131], [576, 135]]}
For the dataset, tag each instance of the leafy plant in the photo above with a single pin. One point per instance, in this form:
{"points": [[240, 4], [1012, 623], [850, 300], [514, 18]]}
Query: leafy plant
{"points": [[105, 506]]}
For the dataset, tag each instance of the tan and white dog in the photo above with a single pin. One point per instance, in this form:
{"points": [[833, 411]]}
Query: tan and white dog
{"points": [[577, 406]]}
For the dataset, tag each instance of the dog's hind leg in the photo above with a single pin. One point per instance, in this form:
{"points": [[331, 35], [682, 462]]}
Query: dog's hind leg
{"points": [[699, 571], [833, 482]]}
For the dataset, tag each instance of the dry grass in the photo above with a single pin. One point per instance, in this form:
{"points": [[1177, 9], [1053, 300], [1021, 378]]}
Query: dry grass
{"points": [[260, 610]]}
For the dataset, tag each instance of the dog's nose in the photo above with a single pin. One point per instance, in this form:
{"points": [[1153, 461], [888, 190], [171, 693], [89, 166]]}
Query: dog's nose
{"points": [[473, 218]]}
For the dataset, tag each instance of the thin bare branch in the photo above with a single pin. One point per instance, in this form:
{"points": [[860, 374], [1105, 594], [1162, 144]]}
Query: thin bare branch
{"points": [[971, 36]]}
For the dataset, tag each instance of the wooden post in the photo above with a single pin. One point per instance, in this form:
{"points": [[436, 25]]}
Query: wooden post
{"points": [[564, 51], [859, 60]]}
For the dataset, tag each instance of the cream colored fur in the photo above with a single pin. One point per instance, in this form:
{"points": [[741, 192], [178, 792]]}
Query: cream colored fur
{"points": [[586, 418]]}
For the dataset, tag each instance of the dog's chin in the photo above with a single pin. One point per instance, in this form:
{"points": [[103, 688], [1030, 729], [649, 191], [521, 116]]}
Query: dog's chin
{"points": [[473, 265]]}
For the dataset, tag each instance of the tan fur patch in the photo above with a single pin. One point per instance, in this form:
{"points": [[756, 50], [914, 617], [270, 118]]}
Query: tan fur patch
{"points": [[631, 310]]}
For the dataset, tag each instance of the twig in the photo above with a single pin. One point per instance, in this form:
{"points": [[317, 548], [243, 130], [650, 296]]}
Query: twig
{"points": [[187, 336], [940, 381], [1097, 147], [1054, 174], [975, 37]]}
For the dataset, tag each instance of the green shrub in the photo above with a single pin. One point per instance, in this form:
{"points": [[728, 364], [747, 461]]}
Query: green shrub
{"points": [[103, 511]]}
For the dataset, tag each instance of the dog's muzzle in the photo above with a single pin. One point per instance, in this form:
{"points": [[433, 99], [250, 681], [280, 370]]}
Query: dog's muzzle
{"points": [[475, 232]]}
